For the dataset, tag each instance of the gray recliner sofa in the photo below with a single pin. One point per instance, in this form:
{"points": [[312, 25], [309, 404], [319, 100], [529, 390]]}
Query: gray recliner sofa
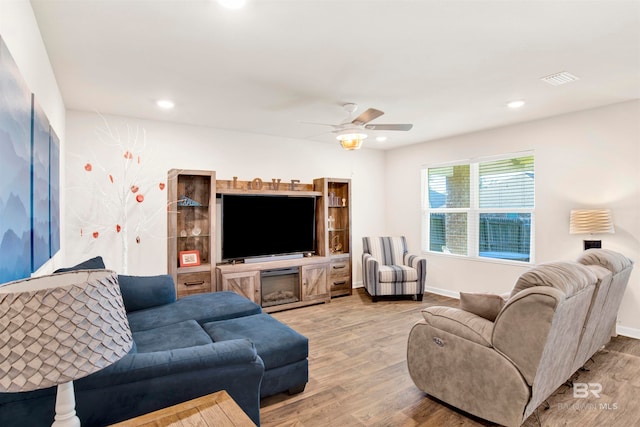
{"points": [[501, 361]]}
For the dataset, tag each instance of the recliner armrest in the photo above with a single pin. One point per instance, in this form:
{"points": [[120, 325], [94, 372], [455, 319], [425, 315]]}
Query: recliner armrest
{"points": [[522, 327], [461, 323]]}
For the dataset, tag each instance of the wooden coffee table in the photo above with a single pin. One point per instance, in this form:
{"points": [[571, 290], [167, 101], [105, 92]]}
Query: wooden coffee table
{"points": [[217, 409]]}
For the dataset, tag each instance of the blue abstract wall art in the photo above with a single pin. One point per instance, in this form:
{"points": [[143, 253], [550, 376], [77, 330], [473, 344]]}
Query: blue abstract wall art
{"points": [[40, 220], [29, 177], [15, 165]]}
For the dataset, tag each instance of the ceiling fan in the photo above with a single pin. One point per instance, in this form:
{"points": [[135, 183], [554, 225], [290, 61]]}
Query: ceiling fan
{"points": [[351, 132]]}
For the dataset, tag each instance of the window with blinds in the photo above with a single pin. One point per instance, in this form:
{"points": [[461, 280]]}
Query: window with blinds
{"points": [[480, 209]]}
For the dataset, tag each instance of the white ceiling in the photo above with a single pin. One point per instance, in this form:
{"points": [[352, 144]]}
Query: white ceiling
{"points": [[448, 67]]}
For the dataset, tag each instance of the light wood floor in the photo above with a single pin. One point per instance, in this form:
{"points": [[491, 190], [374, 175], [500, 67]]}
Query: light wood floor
{"points": [[358, 374]]}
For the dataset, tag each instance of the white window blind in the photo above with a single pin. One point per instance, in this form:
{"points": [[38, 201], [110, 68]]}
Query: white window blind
{"points": [[481, 208]]}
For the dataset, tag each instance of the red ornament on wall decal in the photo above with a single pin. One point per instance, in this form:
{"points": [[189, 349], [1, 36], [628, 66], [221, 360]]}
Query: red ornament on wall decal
{"points": [[138, 239], [128, 155], [118, 228], [95, 234], [111, 178], [161, 185], [134, 188], [88, 167], [139, 198]]}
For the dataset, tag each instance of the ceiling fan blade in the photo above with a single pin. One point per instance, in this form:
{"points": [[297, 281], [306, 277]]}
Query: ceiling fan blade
{"points": [[367, 116], [389, 127], [319, 124]]}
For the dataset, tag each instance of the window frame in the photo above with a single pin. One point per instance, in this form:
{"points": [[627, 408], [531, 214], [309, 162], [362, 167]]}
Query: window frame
{"points": [[474, 210]]}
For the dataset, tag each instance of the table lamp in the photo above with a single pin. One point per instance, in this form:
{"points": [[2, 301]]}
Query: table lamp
{"points": [[58, 328], [591, 221]]}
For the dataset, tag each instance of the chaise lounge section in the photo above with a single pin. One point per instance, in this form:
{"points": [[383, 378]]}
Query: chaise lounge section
{"points": [[183, 349]]}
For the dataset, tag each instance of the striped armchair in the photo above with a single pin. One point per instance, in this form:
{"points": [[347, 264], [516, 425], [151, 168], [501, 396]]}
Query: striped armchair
{"points": [[388, 268]]}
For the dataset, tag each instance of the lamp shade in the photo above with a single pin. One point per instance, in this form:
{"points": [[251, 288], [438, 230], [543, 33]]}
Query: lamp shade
{"points": [[58, 328], [591, 221]]}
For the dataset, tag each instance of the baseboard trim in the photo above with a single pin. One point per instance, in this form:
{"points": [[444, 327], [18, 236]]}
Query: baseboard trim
{"points": [[628, 332], [437, 291], [443, 292]]}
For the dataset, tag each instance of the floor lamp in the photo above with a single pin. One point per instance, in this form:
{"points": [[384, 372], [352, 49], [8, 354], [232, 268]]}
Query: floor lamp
{"points": [[58, 328]]}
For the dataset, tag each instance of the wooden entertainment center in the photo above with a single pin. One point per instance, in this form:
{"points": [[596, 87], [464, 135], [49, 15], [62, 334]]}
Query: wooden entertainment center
{"points": [[278, 284], [308, 284]]}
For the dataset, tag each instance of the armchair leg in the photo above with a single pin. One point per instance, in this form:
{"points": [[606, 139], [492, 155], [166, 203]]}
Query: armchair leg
{"points": [[374, 298], [419, 297]]}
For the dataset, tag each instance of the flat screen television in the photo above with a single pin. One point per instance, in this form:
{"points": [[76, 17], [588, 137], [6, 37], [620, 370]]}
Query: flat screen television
{"points": [[267, 225]]}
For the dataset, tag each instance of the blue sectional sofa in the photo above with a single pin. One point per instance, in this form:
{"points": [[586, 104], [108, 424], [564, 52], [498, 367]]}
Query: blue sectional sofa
{"points": [[183, 349]]}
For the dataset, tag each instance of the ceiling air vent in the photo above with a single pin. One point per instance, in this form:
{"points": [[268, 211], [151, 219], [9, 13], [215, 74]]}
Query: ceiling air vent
{"points": [[560, 78]]}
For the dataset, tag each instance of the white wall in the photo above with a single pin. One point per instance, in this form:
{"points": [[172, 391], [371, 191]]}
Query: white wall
{"points": [[230, 154], [582, 160], [20, 32], [585, 159]]}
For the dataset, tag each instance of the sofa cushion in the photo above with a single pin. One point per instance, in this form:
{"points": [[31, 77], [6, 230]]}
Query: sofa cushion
{"points": [[96, 263], [482, 304], [568, 277], [612, 261], [397, 273], [179, 335], [202, 308], [276, 343], [140, 292]]}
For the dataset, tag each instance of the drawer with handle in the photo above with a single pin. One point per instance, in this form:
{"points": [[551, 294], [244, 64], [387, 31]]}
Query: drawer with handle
{"points": [[339, 268], [340, 275], [193, 283]]}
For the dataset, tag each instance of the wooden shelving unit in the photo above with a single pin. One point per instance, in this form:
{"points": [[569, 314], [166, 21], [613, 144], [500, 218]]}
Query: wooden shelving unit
{"points": [[191, 227], [333, 228]]}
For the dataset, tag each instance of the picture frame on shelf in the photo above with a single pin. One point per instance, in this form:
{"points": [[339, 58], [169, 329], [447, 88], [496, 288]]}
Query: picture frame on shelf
{"points": [[189, 258]]}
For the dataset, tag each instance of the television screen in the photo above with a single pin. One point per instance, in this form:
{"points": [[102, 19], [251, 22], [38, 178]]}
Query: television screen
{"points": [[266, 225]]}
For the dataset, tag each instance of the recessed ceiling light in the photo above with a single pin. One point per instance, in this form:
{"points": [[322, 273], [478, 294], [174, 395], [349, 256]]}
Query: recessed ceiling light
{"points": [[232, 4], [165, 103], [381, 138], [515, 104]]}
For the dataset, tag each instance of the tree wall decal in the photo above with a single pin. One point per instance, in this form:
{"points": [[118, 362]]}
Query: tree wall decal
{"points": [[116, 188]]}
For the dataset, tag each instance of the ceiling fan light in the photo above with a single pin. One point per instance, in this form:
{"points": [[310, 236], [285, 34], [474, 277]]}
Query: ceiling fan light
{"points": [[351, 144], [351, 141]]}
